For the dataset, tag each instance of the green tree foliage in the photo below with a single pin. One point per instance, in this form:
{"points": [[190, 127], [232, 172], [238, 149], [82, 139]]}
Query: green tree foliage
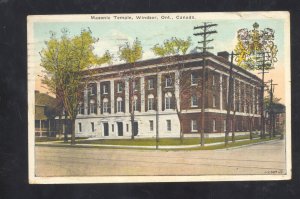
{"points": [[268, 104], [65, 59], [173, 46], [131, 53]]}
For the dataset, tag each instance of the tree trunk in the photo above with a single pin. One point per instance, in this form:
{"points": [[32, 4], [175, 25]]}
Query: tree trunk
{"points": [[181, 130], [59, 126], [233, 128], [73, 131], [65, 130], [132, 124], [250, 128]]}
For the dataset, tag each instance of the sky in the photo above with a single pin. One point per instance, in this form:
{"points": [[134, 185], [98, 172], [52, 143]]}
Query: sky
{"points": [[113, 33]]}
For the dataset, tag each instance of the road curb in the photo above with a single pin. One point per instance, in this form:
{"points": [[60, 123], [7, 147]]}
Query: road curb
{"points": [[247, 145]]}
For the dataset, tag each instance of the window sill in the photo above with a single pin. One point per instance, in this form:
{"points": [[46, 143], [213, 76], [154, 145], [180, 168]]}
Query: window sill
{"points": [[168, 86], [194, 84]]}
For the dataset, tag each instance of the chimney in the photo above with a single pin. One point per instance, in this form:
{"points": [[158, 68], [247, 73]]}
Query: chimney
{"points": [[224, 54]]}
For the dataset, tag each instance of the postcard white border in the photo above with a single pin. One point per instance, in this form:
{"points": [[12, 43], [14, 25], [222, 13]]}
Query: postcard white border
{"points": [[284, 15]]}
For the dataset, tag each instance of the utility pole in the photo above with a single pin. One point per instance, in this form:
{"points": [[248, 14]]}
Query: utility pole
{"points": [[205, 32], [272, 118], [262, 132], [157, 114], [271, 107], [229, 99]]}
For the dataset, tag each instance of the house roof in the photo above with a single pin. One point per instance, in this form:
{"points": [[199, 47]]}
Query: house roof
{"points": [[40, 112], [42, 102]]}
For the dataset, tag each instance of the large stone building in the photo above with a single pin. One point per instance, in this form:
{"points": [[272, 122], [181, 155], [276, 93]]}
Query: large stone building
{"points": [[157, 87]]}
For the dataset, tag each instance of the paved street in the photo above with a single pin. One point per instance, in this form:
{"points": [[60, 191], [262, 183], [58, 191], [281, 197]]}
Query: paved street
{"points": [[264, 158]]}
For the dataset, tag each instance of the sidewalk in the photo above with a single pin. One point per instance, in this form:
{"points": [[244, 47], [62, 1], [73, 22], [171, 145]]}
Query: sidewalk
{"points": [[55, 143]]}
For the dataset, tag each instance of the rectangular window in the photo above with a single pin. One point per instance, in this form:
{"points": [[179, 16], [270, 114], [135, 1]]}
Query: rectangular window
{"points": [[79, 127], [151, 125], [150, 84], [168, 82], [119, 106], [194, 125], [93, 127], [91, 91], [112, 127], [224, 125], [214, 125], [214, 101], [194, 101], [127, 127], [135, 85], [81, 109], [150, 103], [169, 125], [105, 107], [135, 105], [119, 87], [193, 79], [168, 103], [105, 89], [92, 108], [213, 80]]}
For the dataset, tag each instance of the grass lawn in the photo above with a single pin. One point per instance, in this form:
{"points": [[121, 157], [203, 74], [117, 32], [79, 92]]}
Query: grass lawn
{"points": [[219, 146], [49, 139], [152, 141]]}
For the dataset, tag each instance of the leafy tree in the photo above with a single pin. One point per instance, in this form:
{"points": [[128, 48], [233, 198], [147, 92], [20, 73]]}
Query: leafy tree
{"points": [[130, 54], [168, 50], [66, 61]]}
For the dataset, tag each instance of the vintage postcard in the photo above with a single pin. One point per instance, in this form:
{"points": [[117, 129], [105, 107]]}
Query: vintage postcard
{"points": [[168, 97]]}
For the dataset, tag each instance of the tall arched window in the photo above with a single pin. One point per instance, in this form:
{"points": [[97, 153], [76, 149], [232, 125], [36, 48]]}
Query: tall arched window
{"points": [[81, 108], [150, 102], [105, 105], [92, 106], [168, 99], [119, 104]]}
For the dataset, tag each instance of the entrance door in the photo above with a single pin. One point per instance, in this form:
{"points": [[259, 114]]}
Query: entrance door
{"points": [[136, 128], [120, 128], [106, 129]]}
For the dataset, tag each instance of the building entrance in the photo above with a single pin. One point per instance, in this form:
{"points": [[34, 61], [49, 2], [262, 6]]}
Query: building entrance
{"points": [[136, 128], [120, 128], [106, 129]]}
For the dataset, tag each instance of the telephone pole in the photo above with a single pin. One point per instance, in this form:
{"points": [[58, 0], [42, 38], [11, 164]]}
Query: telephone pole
{"points": [[229, 99], [272, 118], [205, 32], [262, 132]]}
